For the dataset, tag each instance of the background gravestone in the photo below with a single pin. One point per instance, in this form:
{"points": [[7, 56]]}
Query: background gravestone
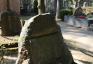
{"points": [[85, 4], [66, 5], [41, 42], [78, 12], [10, 23], [50, 10]]}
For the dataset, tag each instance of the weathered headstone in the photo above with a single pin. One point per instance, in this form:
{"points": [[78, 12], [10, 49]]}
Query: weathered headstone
{"points": [[28, 9], [85, 4], [74, 6], [9, 22], [50, 10], [78, 11], [41, 42], [66, 5]]}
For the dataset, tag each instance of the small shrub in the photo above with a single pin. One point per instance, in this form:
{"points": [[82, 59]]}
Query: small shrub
{"points": [[91, 13], [64, 12]]}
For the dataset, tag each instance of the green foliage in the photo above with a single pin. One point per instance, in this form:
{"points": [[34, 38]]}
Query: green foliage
{"points": [[9, 43], [0, 44], [64, 12], [16, 36], [5, 62], [2, 47], [91, 13], [35, 3]]}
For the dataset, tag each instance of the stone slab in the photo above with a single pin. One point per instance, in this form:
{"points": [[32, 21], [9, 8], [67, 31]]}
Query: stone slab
{"points": [[84, 23], [10, 23], [46, 49], [77, 23], [69, 19], [40, 25]]}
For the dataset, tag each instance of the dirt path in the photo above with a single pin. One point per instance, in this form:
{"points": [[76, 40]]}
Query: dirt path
{"points": [[79, 57]]}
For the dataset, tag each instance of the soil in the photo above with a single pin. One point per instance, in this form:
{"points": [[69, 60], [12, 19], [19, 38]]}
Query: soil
{"points": [[7, 39]]}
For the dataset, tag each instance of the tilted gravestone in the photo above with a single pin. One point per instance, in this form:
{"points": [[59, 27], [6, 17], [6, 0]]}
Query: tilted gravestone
{"points": [[41, 42], [78, 12], [10, 23]]}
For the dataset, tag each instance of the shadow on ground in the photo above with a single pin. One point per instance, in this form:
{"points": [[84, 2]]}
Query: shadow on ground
{"points": [[70, 47], [85, 62], [74, 47]]}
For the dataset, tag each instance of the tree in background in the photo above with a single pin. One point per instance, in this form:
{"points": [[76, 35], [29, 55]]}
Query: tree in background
{"points": [[7, 5], [55, 5], [35, 6], [58, 8], [41, 7], [24, 3]]}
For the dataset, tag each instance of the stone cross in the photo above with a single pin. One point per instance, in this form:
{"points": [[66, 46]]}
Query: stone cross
{"points": [[7, 5]]}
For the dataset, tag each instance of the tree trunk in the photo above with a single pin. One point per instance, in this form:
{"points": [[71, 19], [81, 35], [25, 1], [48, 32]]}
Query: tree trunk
{"points": [[41, 7], [58, 8], [55, 6], [77, 3], [7, 5]]}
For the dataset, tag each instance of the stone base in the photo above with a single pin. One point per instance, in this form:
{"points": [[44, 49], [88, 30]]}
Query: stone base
{"points": [[90, 28]]}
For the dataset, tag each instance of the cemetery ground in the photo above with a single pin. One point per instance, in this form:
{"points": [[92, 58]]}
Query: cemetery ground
{"points": [[79, 55]]}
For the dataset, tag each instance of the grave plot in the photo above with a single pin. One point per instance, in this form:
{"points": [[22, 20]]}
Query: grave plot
{"points": [[79, 19]]}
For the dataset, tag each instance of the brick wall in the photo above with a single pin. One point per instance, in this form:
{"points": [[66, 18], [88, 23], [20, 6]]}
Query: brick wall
{"points": [[14, 5]]}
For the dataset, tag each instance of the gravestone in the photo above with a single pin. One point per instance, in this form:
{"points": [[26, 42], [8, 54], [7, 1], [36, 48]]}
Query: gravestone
{"points": [[28, 9], [74, 6], [50, 10], [78, 12], [85, 4], [41, 42], [10, 23], [66, 5]]}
